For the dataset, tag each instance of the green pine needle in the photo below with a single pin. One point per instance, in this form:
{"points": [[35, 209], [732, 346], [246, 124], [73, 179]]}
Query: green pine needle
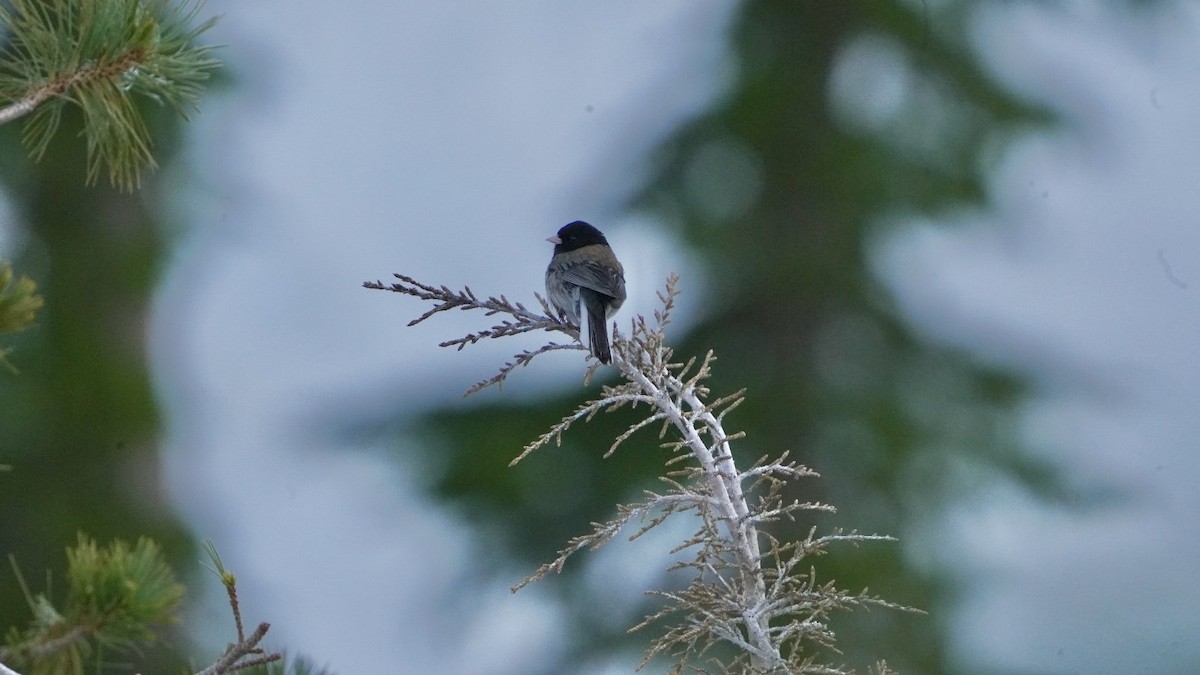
{"points": [[96, 54], [117, 594], [121, 591], [19, 304]]}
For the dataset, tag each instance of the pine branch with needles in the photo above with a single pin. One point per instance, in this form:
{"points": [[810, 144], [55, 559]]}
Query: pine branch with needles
{"points": [[97, 54]]}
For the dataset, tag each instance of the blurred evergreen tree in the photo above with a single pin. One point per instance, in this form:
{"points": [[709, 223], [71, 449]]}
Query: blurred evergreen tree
{"points": [[777, 188], [78, 426]]}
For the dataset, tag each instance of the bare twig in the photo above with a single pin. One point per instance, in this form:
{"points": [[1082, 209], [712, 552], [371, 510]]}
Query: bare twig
{"points": [[522, 321], [245, 653], [237, 656], [21, 108]]}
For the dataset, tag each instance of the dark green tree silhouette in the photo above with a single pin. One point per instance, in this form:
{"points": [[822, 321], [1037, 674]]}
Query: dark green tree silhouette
{"points": [[778, 195], [88, 87]]}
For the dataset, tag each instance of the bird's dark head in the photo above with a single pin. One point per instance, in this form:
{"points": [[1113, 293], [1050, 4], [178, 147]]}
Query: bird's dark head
{"points": [[576, 235]]}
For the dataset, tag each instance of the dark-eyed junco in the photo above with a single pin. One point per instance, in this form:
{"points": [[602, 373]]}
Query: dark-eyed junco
{"points": [[584, 271]]}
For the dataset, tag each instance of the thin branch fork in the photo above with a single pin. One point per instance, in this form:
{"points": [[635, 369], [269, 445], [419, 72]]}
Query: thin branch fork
{"points": [[724, 486], [235, 658]]}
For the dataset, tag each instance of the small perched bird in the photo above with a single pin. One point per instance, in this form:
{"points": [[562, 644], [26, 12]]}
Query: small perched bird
{"points": [[583, 270]]}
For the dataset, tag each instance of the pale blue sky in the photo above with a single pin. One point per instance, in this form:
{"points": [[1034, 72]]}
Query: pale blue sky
{"points": [[444, 140], [448, 141]]}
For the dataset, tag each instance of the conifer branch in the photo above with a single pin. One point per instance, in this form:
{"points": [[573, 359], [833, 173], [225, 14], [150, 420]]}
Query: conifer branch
{"points": [[523, 320], [246, 652], [767, 604], [96, 54], [19, 305], [116, 596]]}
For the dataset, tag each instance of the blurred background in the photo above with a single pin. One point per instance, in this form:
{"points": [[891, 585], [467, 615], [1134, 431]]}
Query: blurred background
{"points": [[949, 247]]}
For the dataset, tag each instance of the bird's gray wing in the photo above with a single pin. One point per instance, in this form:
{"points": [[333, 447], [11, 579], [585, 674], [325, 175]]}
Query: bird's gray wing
{"points": [[599, 278]]}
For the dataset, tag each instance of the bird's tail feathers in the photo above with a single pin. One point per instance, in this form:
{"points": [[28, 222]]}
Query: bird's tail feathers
{"points": [[597, 327]]}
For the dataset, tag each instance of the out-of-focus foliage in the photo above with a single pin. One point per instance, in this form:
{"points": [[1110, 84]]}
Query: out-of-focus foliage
{"points": [[19, 301], [19, 304], [78, 426], [841, 115], [116, 596]]}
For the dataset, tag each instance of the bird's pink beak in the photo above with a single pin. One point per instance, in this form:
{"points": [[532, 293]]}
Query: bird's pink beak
{"points": [[554, 240]]}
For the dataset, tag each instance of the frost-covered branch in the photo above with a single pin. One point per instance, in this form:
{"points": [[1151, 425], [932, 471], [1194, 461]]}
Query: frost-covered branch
{"points": [[765, 603]]}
